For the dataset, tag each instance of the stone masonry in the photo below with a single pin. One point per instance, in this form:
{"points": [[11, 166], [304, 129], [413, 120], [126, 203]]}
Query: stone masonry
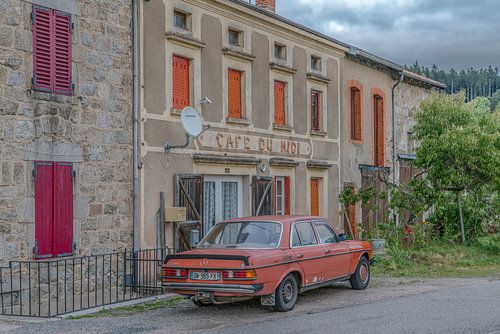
{"points": [[91, 129]]}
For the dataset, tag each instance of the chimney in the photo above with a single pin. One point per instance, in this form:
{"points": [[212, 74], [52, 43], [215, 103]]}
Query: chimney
{"points": [[269, 5]]}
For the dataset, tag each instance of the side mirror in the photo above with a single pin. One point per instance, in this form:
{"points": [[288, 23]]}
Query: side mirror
{"points": [[342, 237]]}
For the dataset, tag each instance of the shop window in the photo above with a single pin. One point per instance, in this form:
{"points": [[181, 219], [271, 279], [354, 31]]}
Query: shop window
{"points": [[52, 60], [234, 94], [280, 103], [315, 196], [316, 63], [282, 195], [316, 110], [355, 113], [379, 128], [53, 209], [182, 20], [279, 51], [235, 37], [181, 82]]}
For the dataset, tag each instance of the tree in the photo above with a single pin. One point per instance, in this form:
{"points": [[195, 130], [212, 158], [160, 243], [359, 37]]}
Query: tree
{"points": [[495, 100]]}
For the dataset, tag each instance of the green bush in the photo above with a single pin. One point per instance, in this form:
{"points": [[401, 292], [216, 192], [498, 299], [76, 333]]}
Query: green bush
{"points": [[490, 243]]}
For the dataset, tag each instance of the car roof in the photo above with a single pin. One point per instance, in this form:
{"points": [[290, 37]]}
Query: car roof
{"points": [[274, 218]]}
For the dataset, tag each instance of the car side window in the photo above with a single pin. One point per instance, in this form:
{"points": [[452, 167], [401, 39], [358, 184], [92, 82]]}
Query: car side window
{"points": [[326, 233], [303, 235]]}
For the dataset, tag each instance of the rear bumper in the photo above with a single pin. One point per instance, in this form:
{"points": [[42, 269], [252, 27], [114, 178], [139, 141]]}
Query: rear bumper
{"points": [[226, 288]]}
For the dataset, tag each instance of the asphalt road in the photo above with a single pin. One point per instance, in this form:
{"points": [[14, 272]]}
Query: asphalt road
{"points": [[449, 305]]}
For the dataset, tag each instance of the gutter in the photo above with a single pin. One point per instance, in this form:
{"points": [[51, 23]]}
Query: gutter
{"points": [[135, 48], [393, 141]]}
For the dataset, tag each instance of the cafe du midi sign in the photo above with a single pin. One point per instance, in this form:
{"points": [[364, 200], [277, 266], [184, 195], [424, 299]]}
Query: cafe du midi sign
{"points": [[256, 144]]}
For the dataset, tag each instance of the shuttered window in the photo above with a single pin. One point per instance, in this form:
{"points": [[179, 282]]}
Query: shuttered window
{"points": [[53, 209], [282, 195], [316, 110], [355, 96], [234, 94], [379, 137], [315, 196], [181, 82], [279, 103], [52, 32]]}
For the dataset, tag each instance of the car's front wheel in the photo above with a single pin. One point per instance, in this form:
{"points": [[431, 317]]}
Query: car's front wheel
{"points": [[361, 277], [286, 294]]}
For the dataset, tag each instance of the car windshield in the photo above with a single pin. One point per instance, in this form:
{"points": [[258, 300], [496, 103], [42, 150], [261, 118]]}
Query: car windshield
{"points": [[243, 235]]}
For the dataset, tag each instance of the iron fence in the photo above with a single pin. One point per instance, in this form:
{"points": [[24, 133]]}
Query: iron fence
{"points": [[48, 288]]}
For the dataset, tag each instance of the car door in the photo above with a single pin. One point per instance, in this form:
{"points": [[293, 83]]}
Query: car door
{"points": [[337, 253], [308, 252]]}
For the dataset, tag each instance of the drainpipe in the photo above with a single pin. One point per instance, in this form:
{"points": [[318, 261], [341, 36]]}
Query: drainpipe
{"points": [[135, 23], [393, 143]]}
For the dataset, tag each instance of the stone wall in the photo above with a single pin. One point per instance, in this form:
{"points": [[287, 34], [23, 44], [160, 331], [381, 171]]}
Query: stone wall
{"points": [[92, 128]]}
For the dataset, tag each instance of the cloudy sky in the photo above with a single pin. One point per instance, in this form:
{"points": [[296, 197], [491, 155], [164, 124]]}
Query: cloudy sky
{"points": [[449, 33]]}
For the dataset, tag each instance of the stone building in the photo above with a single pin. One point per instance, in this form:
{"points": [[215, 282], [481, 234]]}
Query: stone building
{"points": [[65, 128], [276, 97]]}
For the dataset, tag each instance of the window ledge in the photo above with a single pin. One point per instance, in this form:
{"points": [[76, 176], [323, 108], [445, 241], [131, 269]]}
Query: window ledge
{"points": [[282, 68], [238, 121], [318, 133], [175, 112], [282, 162], [185, 40], [318, 78], [319, 164], [238, 55], [279, 127]]}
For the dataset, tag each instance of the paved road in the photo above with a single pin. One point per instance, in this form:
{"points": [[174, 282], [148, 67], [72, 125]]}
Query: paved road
{"points": [[388, 306]]}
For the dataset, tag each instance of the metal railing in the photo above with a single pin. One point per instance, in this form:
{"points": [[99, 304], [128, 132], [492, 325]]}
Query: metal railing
{"points": [[48, 288]]}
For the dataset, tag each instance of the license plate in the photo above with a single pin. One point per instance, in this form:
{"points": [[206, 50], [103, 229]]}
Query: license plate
{"points": [[204, 276]]}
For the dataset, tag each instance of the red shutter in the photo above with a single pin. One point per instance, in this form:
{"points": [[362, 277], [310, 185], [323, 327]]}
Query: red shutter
{"points": [[379, 145], [234, 94], [279, 103], [314, 197], [316, 110], [355, 114], [42, 56], [62, 53], [181, 82], [287, 195], [43, 209], [63, 210]]}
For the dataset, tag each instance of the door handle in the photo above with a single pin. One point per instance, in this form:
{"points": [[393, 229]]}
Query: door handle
{"points": [[328, 251], [300, 256]]}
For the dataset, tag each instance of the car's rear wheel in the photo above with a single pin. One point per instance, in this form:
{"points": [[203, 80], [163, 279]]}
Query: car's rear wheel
{"points": [[361, 277], [286, 294]]}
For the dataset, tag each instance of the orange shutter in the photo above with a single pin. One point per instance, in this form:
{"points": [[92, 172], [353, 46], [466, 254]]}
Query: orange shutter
{"points": [[316, 110], [287, 195], [180, 82], [355, 114], [379, 145], [314, 197], [234, 94], [351, 213], [279, 103]]}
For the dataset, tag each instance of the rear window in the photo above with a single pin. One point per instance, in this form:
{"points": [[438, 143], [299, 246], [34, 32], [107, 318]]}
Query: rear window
{"points": [[243, 235]]}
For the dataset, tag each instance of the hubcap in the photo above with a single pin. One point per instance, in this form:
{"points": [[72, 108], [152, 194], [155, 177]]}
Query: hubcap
{"points": [[363, 273], [287, 293]]}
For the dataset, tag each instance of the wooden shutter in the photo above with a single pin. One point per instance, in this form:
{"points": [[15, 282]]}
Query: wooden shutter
{"points": [[316, 110], [355, 114], [279, 103], [42, 50], [62, 53], [188, 194], [234, 94], [181, 82], [351, 218], [287, 195], [379, 145], [63, 209], [314, 197], [263, 197], [44, 209]]}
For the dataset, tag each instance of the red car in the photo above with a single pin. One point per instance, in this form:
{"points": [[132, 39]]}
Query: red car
{"points": [[274, 257]]}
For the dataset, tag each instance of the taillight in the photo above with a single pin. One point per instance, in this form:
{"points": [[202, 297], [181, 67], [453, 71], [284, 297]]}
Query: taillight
{"points": [[239, 274], [175, 273]]}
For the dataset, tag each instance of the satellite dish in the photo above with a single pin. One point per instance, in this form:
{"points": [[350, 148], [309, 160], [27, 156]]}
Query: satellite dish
{"points": [[191, 121]]}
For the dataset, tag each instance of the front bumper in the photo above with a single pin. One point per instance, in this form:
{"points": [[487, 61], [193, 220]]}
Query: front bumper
{"points": [[226, 288]]}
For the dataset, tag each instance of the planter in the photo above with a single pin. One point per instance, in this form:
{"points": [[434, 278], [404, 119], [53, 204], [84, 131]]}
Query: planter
{"points": [[378, 245]]}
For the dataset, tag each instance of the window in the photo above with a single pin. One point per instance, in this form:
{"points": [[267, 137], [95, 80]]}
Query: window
{"points": [[181, 84], [411, 143], [316, 63], [303, 235], [53, 209], [181, 20], [280, 103], [234, 94], [235, 37], [282, 195], [355, 103], [243, 235], [315, 184], [379, 136], [52, 61], [325, 233], [350, 224], [279, 51], [316, 110]]}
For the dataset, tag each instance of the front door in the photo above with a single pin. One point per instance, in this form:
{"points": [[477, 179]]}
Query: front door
{"points": [[337, 256], [222, 199]]}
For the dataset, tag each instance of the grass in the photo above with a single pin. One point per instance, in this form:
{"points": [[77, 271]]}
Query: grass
{"points": [[129, 310], [439, 259]]}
